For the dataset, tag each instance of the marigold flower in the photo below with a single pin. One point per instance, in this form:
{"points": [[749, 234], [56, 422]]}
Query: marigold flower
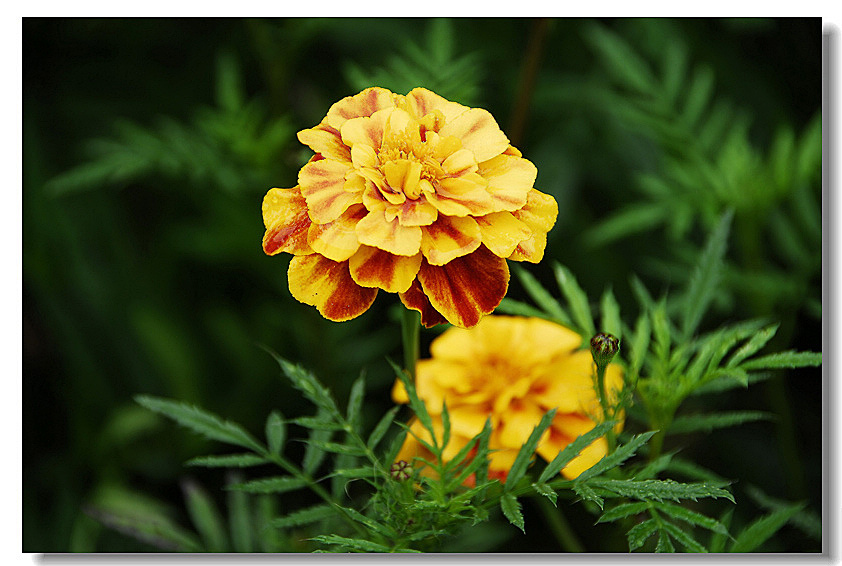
{"points": [[414, 195], [513, 370]]}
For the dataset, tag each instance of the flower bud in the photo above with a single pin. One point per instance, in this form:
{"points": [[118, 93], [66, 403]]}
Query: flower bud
{"points": [[401, 471], [603, 348]]}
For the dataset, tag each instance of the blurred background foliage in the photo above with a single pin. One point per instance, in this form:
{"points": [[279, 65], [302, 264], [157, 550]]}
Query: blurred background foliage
{"points": [[148, 147]]}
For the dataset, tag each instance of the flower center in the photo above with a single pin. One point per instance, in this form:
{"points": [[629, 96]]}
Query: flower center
{"points": [[408, 164]]}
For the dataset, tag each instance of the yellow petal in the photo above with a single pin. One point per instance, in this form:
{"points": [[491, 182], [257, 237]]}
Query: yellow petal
{"points": [[404, 175], [366, 130], [323, 186], [371, 267], [365, 103], [539, 212], [337, 240], [325, 140], [364, 156], [327, 285], [510, 180], [286, 220], [413, 212], [459, 163], [374, 230], [421, 102], [517, 423], [467, 287], [478, 132], [467, 421], [502, 232], [531, 249], [448, 238]]}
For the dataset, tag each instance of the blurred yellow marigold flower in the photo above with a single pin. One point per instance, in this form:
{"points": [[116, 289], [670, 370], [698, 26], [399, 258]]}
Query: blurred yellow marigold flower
{"points": [[513, 370], [414, 195]]}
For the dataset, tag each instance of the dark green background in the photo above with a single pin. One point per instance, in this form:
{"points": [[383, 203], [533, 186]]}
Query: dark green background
{"points": [[154, 282]]}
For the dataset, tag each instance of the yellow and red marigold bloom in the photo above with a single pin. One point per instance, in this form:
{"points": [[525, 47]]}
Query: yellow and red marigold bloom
{"points": [[414, 195], [513, 370]]}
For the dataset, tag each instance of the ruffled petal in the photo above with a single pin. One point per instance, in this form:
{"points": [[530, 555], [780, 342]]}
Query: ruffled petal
{"points": [[467, 287], [338, 240], [539, 213], [448, 238], [365, 103], [327, 141], [365, 130], [479, 133], [502, 232], [327, 285], [510, 180], [415, 299], [374, 230], [421, 102], [413, 212], [287, 222], [323, 186], [372, 267]]}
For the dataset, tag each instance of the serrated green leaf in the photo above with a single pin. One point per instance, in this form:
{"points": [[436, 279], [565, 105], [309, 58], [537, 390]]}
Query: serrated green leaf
{"points": [[610, 310], [718, 540], [307, 383], [358, 545], [445, 423], [381, 428], [205, 517], [640, 533], [639, 344], [788, 359], [806, 520], [371, 524], [572, 450], [546, 491], [753, 345], [304, 516], [706, 423], [587, 493], [662, 490], [278, 484], [703, 283], [664, 545], [694, 471], [228, 461], [622, 511], [511, 509], [483, 439], [631, 219], [276, 432], [338, 447], [362, 472], [314, 455], [158, 531], [762, 529], [577, 300], [620, 455], [202, 422], [323, 422], [355, 402], [527, 450], [240, 517], [416, 404], [692, 517], [674, 68], [541, 296]]}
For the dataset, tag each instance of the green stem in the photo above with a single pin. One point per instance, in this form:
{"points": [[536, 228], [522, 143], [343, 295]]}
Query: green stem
{"points": [[411, 333], [603, 401], [559, 526]]}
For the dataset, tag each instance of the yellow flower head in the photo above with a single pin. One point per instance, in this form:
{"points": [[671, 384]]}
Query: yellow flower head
{"points": [[414, 195], [513, 370]]}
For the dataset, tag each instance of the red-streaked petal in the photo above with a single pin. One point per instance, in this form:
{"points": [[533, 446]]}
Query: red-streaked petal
{"points": [[337, 240], [327, 141], [531, 249], [366, 130], [502, 232], [415, 299], [417, 212], [459, 163], [365, 103], [448, 238], [371, 267], [286, 220], [467, 287], [539, 213], [327, 285], [323, 186], [510, 179], [374, 230], [422, 102], [479, 133]]}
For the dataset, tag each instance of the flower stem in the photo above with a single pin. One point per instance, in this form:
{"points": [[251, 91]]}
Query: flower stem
{"points": [[559, 526], [411, 334], [603, 401]]}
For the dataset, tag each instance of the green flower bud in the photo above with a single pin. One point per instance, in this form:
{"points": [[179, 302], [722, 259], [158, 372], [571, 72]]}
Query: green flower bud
{"points": [[401, 470], [603, 348]]}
